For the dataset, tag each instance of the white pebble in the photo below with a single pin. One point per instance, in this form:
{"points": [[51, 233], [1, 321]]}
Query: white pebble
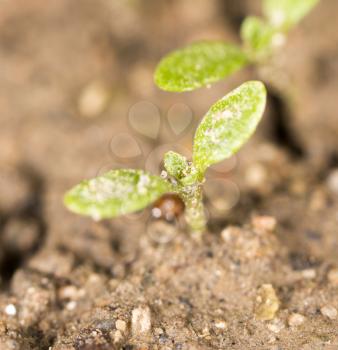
{"points": [[158, 331], [71, 305], [309, 274], [10, 310], [332, 181], [329, 311], [264, 223], [228, 233], [295, 320], [220, 324], [141, 320], [276, 326]]}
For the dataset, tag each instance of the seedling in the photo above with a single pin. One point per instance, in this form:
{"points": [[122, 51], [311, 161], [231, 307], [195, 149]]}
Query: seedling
{"points": [[203, 63], [224, 129]]}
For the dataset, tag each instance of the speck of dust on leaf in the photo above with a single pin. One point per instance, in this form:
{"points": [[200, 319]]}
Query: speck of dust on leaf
{"points": [[142, 184]]}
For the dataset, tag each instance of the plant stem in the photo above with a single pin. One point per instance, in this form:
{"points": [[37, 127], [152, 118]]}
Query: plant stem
{"points": [[194, 210]]}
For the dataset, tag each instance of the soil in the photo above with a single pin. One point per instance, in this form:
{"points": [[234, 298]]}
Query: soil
{"points": [[265, 275]]}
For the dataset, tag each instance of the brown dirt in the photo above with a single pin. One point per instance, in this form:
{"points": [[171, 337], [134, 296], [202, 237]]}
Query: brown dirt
{"points": [[70, 283]]}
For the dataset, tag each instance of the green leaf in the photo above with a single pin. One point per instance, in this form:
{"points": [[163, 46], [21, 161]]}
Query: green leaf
{"points": [[198, 65], [178, 167], [175, 164], [228, 124], [286, 13], [115, 193], [258, 36]]}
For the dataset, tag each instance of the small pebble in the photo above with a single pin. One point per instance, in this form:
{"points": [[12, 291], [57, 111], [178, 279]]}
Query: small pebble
{"points": [[158, 331], [68, 292], [141, 320], [295, 320], [228, 234], [71, 305], [332, 181], [220, 324], [264, 223], [309, 274], [276, 326], [333, 277], [121, 325], [10, 310], [267, 303], [329, 311]]}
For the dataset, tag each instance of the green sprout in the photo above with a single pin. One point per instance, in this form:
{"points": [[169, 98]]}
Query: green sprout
{"points": [[228, 124], [203, 63]]}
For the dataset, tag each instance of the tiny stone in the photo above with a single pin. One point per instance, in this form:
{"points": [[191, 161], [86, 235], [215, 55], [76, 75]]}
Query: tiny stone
{"points": [[228, 233], [332, 181], [267, 303], [295, 320], [158, 331], [68, 292], [205, 331], [121, 325], [220, 324], [10, 310], [329, 311], [264, 223], [309, 274], [141, 320], [276, 326], [333, 277], [71, 305]]}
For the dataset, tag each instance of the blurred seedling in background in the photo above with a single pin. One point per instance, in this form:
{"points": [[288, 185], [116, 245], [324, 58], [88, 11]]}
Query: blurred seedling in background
{"points": [[225, 128], [203, 63]]}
